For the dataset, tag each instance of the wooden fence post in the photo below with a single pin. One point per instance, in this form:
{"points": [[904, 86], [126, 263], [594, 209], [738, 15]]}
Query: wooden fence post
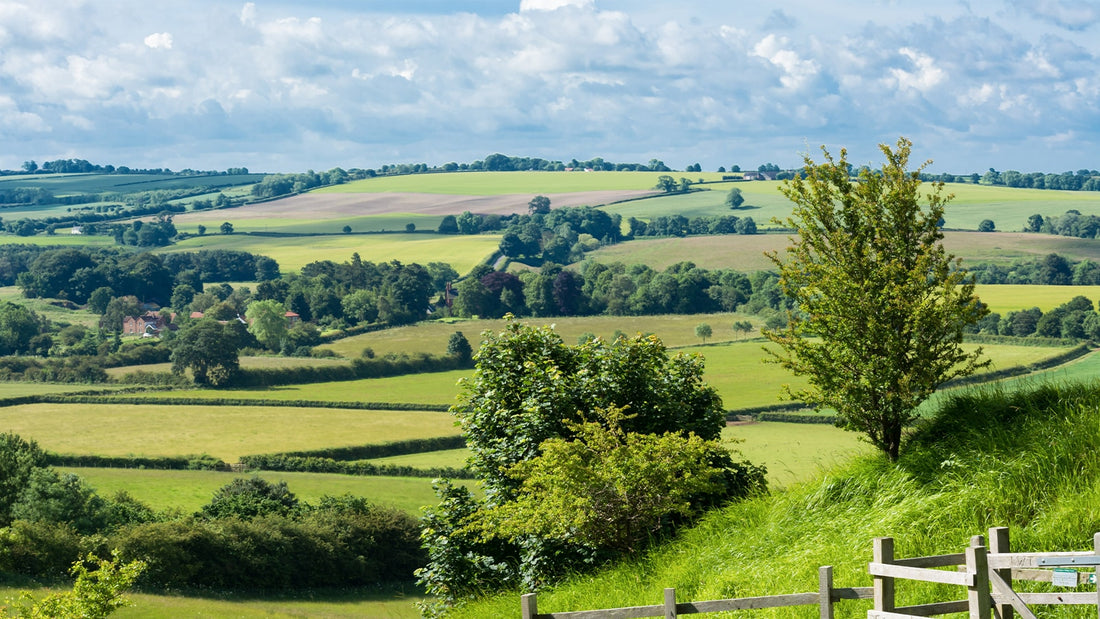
{"points": [[883, 585], [977, 564], [825, 591], [670, 603], [999, 544], [529, 605], [1096, 572]]}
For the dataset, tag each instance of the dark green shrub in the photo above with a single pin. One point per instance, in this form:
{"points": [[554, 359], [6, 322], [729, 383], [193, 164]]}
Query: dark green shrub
{"points": [[248, 497]]}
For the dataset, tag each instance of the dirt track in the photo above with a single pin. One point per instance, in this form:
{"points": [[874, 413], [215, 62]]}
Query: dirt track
{"points": [[334, 205]]}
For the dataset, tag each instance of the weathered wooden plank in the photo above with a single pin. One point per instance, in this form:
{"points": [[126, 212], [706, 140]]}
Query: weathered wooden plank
{"points": [[1004, 591], [631, 612], [977, 566], [853, 593], [962, 579], [933, 561], [825, 592], [936, 608], [882, 614], [766, 601], [883, 552], [999, 543], [670, 603], [1068, 597], [529, 605], [1046, 575], [1028, 559]]}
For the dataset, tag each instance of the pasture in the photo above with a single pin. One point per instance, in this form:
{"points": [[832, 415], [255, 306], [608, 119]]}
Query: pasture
{"points": [[46, 307], [188, 491], [292, 253], [225, 432], [1003, 298], [794, 452], [248, 362], [310, 222]]}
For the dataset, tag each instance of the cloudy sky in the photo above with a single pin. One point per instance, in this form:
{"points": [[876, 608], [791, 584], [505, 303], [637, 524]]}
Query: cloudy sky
{"points": [[281, 85]]}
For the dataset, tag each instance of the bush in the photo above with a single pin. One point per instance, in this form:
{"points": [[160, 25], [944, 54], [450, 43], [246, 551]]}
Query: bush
{"points": [[249, 497]]}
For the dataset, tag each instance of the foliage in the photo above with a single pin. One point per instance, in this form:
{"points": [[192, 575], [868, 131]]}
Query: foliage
{"points": [[529, 387], [18, 458], [881, 305], [608, 488], [703, 330], [458, 346], [18, 326], [267, 322], [734, 199], [52, 497], [987, 225], [209, 350], [249, 497], [96, 593]]}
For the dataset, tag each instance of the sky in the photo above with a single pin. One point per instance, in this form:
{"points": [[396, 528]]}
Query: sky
{"points": [[285, 86]]}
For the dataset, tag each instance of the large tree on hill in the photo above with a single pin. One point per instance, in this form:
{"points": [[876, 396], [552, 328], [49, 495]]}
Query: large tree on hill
{"points": [[881, 305]]}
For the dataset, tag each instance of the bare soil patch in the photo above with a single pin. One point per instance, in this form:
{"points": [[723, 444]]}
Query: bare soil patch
{"points": [[335, 205]]}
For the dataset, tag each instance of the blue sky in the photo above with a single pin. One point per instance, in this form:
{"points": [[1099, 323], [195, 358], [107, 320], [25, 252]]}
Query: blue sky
{"points": [[285, 86]]}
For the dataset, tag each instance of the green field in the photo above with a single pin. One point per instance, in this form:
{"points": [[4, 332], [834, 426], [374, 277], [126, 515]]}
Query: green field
{"points": [[377, 604], [60, 239], [46, 308], [292, 253], [795, 452], [223, 432], [247, 362], [746, 253], [431, 336], [188, 491], [499, 183], [1009, 208], [433, 388]]}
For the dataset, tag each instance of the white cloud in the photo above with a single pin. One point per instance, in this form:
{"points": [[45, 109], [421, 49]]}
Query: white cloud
{"points": [[552, 5], [159, 40], [796, 71], [924, 79]]}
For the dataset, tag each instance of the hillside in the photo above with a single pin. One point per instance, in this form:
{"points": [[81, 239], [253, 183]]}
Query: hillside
{"points": [[1029, 460]]}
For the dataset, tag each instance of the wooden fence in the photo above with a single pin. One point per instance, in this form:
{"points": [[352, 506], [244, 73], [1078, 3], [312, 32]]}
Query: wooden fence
{"points": [[986, 574]]}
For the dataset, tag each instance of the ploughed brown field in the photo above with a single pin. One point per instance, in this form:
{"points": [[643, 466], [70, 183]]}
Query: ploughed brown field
{"points": [[335, 205]]}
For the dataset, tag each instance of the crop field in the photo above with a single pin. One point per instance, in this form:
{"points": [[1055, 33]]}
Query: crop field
{"points": [[1004, 298], [292, 253], [746, 253], [496, 183], [188, 491], [762, 202], [225, 432]]}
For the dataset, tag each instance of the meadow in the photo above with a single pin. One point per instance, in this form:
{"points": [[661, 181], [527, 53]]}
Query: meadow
{"points": [[246, 361], [292, 253], [225, 432], [307, 224], [1003, 298]]}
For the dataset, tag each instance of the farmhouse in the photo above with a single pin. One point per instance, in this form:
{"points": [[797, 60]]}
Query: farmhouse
{"points": [[149, 324]]}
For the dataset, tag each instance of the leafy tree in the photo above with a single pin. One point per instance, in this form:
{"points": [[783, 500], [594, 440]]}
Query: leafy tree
{"points": [[98, 300], [666, 183], [449, 225], [987, 225], [18, 458], [410, 227], [608, 488], [226, 228], [1034, 223], [209, 350], [704, 331], [56, 498], [360, 306], [881, 305], [458, 346], [202, 230], [267, 322], [742, 326], [249, 497], [529, 387], [734, 199], [97, 592], [18, 326], [346, 229], [538, 204]]}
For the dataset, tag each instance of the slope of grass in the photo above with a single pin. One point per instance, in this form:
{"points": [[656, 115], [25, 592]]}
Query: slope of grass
{"points": [[1028, 460], [1003, 298], [497, 183]]}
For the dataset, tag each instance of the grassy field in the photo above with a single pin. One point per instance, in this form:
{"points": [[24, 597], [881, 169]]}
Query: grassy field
{"points": [[292, 253], [377, 604], [746, 253], [431, 337], [1009, 208], [63, 240], [434, 388], [223, 432], [795, 452], [247, 362], [498, 183], [188, 491]]}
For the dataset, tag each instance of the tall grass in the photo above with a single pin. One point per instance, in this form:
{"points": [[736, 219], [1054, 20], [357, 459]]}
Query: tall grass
{"points": [[1029, 460]]}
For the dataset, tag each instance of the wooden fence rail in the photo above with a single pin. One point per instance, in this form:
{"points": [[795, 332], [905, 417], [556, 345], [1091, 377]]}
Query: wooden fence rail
{"points": [[986, 574]]}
